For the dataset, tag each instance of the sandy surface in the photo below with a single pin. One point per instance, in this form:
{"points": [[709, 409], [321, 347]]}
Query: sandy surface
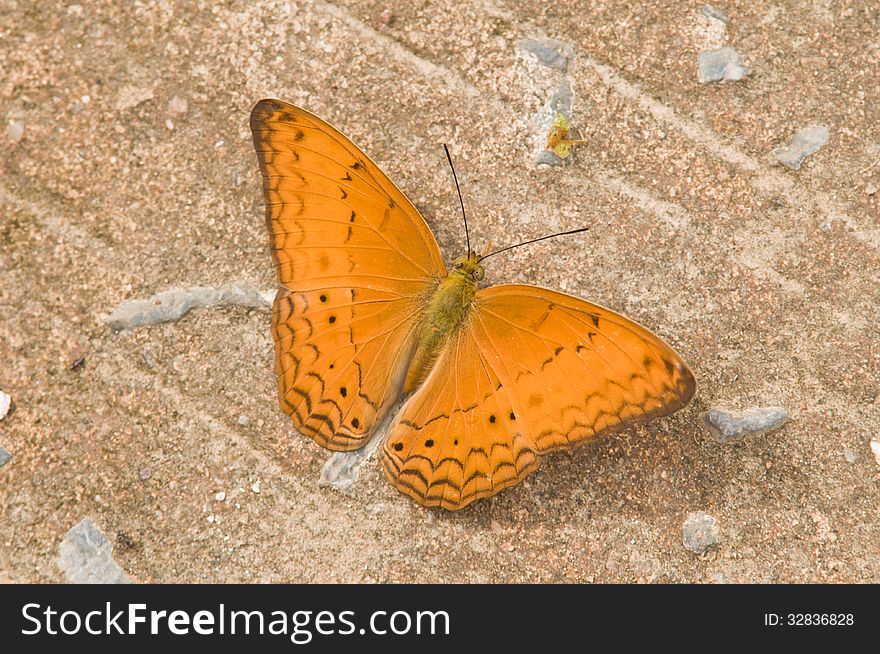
{"points": [[765, 279]]}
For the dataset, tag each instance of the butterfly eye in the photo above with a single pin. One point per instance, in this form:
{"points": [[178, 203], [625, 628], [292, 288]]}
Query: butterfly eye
{"points": [[478, 274]]}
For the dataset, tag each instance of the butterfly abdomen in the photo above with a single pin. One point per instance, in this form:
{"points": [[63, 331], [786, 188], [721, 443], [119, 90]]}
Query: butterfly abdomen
{"points": [[445, 312]]}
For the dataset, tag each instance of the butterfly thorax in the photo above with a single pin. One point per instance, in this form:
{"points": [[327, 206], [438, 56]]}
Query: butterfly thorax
{"points": [[446, 310]]}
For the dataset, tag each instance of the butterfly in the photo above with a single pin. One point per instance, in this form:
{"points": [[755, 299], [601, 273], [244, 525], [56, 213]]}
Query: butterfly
{"points": [[366, 313]]}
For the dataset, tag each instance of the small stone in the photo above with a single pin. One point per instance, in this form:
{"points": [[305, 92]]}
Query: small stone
{"points": [[130, 97], [169, 124], [15, 131], [256, 486], [732, 426], [5, 455], [849, 455], [148, 359], [721, 65], [341, 469], [178, 106], [219, 496], [386, 17], [211, 519], [700, 532], [244, 421], [170, 306], [559, 103], [711, 12], [86, 557], [875, 449], [5, 403], [870, 189], [805, 142], [145, 473], [550, 52]]}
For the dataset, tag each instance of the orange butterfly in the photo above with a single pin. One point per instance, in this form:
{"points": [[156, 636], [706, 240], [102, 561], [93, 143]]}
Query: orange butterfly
{"points": [[366, 312]]}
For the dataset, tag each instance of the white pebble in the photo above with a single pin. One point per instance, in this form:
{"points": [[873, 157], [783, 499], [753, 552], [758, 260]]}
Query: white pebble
{"points": [[15, 131], [875, 448], [178, 106], [255, 487], [5, 403], [169, 124], [220, 496]]}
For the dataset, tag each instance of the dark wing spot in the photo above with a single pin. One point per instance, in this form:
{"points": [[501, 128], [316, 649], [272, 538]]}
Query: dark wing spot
{"points": [[351, 219], [332, 319], [355, 423], [492, 418], [512, 415], [455, 442], [323, 298], [429, 443], [343, 391], [398, 447], [332, 365]]}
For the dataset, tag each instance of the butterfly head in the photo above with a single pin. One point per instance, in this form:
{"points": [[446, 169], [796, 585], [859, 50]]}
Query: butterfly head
{"points": [[469, 268]]}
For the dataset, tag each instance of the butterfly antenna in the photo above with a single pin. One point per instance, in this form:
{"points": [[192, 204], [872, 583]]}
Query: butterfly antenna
{"points": [[534, 240], [457, 188]]}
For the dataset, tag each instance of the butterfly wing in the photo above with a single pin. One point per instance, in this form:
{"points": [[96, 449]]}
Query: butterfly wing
{"points": [[355, 261], [530, 371]]}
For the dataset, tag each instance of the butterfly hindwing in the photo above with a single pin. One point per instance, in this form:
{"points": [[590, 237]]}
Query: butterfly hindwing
{"points": [[577, 370], [458, 438], [530, 370], [354, 260]]}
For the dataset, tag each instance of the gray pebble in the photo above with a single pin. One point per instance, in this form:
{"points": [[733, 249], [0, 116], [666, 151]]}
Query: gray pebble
{"points": [[805, 142], [148, 359], [5, 455], [550, 52], [700, 532], [86, 557], [244, 421], [173, 305], [341, 469], [732, 426], [559, 103], [711, 12], [145, 473], [15, 131], [721, 65], [849, 455]]}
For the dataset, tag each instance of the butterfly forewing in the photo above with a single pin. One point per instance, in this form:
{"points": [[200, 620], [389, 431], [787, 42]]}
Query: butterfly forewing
{"points": [[355, 261]]}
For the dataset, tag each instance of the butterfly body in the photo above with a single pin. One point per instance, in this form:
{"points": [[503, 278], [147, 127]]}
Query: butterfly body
{"points": [[367, 314], [445, 312]]}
